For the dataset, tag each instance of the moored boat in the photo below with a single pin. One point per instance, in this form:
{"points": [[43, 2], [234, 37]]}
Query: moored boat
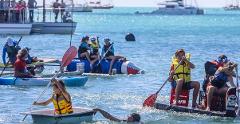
{"points": [[121, 67], [48, 117], [69, 81]]}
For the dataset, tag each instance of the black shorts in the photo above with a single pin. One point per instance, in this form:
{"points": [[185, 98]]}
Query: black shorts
{"points": [[186, 85]]}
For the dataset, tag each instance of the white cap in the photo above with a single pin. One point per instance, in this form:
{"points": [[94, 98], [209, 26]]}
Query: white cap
{"points": [[10, 41]]}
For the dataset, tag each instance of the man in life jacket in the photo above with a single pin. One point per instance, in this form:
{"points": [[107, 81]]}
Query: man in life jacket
{"points": [[218, 82], [94, 53], [11, 48], [181, 77], [108, 53], [20, 66]]}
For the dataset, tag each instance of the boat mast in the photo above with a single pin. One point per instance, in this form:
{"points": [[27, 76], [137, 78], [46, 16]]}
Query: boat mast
{"points": [[44, 11]]}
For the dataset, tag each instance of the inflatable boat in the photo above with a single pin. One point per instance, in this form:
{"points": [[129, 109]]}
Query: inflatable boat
{"points": [[102, 67]]}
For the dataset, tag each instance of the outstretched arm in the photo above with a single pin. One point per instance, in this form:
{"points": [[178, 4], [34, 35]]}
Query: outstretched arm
{"points": [[107, 115], [43, 103]]}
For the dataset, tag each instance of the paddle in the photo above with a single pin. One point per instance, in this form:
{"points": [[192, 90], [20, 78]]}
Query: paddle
{"points": [[238, 111], [67, 58], [105, 53], [8, 60], [150, 101]]}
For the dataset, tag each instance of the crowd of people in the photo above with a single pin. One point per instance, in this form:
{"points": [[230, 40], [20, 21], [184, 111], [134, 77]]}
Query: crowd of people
{"points": [[16, 11]]}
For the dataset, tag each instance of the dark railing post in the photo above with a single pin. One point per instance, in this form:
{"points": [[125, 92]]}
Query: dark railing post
{"points": [[44, 11]]}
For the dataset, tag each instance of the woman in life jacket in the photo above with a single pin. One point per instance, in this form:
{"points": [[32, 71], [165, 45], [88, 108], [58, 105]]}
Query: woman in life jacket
{"points": [[218, 82], [61, 99], [108, 53], [181, 77], [94, 53]]}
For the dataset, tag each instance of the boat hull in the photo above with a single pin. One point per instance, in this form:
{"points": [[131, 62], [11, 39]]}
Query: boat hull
{"points": [[69, 81], [121, 67], [18, 29], [175, 11], [161, 106], [48, 116], [54, 28]]}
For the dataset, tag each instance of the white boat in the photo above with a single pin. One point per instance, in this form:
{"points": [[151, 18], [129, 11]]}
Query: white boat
{"points": [[233, 5], [175, 7], [100, 5], [12, 28], [53, 27], [78, 7], [78, 116]]}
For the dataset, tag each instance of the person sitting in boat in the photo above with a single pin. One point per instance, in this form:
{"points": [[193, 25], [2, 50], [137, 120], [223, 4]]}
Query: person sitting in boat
{"points": [[218, 82], [132, 118], [211, 67], [94, 53], [11, 48], [20, 66], [67, 18], [61, 99], [180, 76], [108, 53], [83, 50]]}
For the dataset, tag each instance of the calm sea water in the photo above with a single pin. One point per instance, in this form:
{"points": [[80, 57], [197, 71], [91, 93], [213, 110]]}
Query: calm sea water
{"points": [[158, 37]]}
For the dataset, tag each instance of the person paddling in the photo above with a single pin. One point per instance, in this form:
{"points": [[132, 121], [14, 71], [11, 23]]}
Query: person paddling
{"points": [[20, 66], [181, 78], [132, 118], [10, 49], [108, 51], [61, 99]]}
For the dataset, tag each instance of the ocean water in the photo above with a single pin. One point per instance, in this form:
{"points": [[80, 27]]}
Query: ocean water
{"points": [[157, 38]]}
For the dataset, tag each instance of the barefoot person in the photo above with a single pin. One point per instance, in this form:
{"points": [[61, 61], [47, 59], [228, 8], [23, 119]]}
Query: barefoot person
{"points": [[108, 51], [61, 99], [218, 82], [132, 118], [181, 77]]}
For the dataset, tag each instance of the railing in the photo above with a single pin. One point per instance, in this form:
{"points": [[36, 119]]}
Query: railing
{"points": [[23, 16]]}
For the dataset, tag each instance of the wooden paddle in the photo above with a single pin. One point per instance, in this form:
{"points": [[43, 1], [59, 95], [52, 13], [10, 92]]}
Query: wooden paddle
{"points": [[150, 101], [67, 58], [8, 60]]}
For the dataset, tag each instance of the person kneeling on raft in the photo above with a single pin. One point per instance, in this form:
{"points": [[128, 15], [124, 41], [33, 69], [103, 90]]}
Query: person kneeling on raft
{"points": [[20, 66], [218, 82], [181, 77], [61, 99], [108, 51]]}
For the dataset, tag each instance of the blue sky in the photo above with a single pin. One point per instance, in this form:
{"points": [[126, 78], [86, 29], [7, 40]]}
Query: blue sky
{"points": [[148, 3]]}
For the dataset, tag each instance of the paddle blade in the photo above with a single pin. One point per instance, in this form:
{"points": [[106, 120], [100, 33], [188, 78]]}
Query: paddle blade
{"points": [[69, 56], [150, 101]]}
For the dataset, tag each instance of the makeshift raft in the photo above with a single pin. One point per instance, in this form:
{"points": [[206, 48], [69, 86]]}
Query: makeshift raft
{"points": [[48, 116]]}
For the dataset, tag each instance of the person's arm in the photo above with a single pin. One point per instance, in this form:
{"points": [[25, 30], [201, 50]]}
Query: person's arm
{"points": [[190, 64], [171, 73], [103, 52], [43, 103], [107, 115]]}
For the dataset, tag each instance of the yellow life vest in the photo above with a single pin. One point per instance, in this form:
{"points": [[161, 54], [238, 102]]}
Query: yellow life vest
{"points": [[95, 46], [183, 71], [61, 105]]}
